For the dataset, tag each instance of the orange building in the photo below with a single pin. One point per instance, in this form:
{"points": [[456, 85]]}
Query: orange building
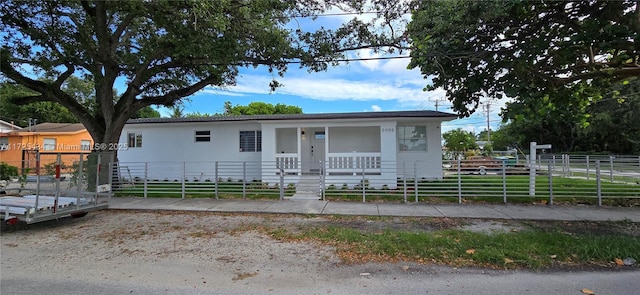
{"points": [[18, 146]]}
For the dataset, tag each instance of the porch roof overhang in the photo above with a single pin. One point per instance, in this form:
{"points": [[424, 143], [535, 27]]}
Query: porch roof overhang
{"points": [[422, 114]]}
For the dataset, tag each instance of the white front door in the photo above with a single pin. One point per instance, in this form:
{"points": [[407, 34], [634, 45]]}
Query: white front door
{"points": [[317, 150], [312, 150]]}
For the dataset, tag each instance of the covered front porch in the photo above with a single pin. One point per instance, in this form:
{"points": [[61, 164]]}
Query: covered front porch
{"points": [[344, 150]]}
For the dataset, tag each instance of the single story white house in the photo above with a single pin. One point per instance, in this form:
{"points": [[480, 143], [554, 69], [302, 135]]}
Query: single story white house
{"points": [[375, 144]]}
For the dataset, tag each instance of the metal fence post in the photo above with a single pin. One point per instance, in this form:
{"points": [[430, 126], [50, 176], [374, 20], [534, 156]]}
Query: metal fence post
{"points": [[244, 180], [598, 184], [611, 168], [57, 180], [415, 179], [146, 179], [587, 167], [550, 172], [98, 176], [111, 167], [404, 181], [281, 184], [37, 181], [323, 179], [184, 178], [364, 194], [504, 181], [79, 176], [459, 182], [216, 180]]}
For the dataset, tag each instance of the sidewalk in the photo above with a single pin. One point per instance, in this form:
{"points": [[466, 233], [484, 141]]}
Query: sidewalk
{"points": [[493, 211]]}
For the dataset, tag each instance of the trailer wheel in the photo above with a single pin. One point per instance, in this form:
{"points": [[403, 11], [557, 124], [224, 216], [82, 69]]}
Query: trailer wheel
{"points": [[79, 214], [10, 224], [482, 170]]}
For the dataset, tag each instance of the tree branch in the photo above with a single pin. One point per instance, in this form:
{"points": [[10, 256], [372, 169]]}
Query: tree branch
{"points": [[175, 95], [64, 76]]}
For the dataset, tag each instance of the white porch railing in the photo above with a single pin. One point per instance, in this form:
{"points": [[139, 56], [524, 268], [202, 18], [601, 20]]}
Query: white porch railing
{"points": [[288, 162], [353, 163]]}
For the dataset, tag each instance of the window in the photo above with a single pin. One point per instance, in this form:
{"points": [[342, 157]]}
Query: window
{"points": [[49, 144], [85, 145], [203, 136], [250, 141], [412, 138], [319, 135], [4, 143], [134, 140]]}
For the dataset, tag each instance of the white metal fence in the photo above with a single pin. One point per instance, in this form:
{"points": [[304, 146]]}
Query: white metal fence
{"points": [[594, 180]]}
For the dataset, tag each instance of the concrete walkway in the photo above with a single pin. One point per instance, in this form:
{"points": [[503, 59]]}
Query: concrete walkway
{"points": [[493, 211]]}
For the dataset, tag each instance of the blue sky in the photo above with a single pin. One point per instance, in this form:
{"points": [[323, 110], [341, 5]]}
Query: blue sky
{"points": [[358, 86]]}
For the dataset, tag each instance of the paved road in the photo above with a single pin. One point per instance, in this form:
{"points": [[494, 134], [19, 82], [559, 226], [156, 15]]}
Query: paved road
{"points": [[179, 277], [363, 279]]}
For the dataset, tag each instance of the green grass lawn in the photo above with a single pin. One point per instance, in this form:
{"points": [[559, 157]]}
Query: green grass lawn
{"points": [[173, 189], [489, 188], [530, 245], [475, 188]]}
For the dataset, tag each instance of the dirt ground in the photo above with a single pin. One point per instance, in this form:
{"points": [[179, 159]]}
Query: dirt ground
{"points": [[181, 251]]}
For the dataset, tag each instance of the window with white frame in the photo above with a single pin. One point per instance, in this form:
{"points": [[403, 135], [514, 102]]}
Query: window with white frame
{"points": [[49, 144], [4, 143], [251, 141], [412, 138], [85, 145], [203, 135], [134, 140]]}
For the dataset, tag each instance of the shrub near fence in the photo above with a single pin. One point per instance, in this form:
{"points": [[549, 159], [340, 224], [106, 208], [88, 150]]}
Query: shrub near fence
{"points": [[615, 182]]}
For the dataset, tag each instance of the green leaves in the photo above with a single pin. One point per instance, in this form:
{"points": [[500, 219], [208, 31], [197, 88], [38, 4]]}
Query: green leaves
{"points": [[475, 49], [166, 50], [459, 140]]}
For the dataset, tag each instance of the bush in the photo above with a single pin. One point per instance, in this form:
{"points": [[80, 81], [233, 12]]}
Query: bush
{"points": [[7, 171]]}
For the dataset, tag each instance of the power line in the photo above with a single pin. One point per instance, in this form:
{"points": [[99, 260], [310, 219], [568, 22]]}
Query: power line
{"points": [[339, 14], [316, 61]]}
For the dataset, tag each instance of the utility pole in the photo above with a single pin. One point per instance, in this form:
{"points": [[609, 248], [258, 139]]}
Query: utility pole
{"points": [[486, 105], [437, 101], [488, 125]]}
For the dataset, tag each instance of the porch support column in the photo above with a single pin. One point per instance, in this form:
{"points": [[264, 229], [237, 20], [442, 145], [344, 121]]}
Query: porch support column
{"points": [[299, 152], [326, 147]]}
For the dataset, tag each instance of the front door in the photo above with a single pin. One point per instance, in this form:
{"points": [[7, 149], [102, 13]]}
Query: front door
{"points": [[312, 151], [317, 150]]}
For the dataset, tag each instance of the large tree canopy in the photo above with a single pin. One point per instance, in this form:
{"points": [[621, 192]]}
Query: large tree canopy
{"points": [[610, 124], [48, 111], [166, 50], [260, 108], [474, 49]]}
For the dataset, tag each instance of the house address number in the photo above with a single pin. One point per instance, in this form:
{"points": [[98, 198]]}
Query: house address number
{"points": [[388, 129]]}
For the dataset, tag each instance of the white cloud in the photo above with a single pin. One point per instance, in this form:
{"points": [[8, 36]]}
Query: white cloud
{"points": [[376, 108], [368, 64], [405, 89], [215, 91]]}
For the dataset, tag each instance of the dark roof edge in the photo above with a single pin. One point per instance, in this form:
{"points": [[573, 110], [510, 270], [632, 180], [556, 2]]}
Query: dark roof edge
{"points": [[317, 116]]}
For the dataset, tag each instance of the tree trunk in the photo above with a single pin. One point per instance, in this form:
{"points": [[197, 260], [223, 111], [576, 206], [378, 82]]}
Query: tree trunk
{"points": [[103, 158]]}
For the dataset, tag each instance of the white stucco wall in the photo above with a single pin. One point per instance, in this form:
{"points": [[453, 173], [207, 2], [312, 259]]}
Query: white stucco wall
{"points": [[354, 139], [170, 149], [427, 164], [168, 145]]}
